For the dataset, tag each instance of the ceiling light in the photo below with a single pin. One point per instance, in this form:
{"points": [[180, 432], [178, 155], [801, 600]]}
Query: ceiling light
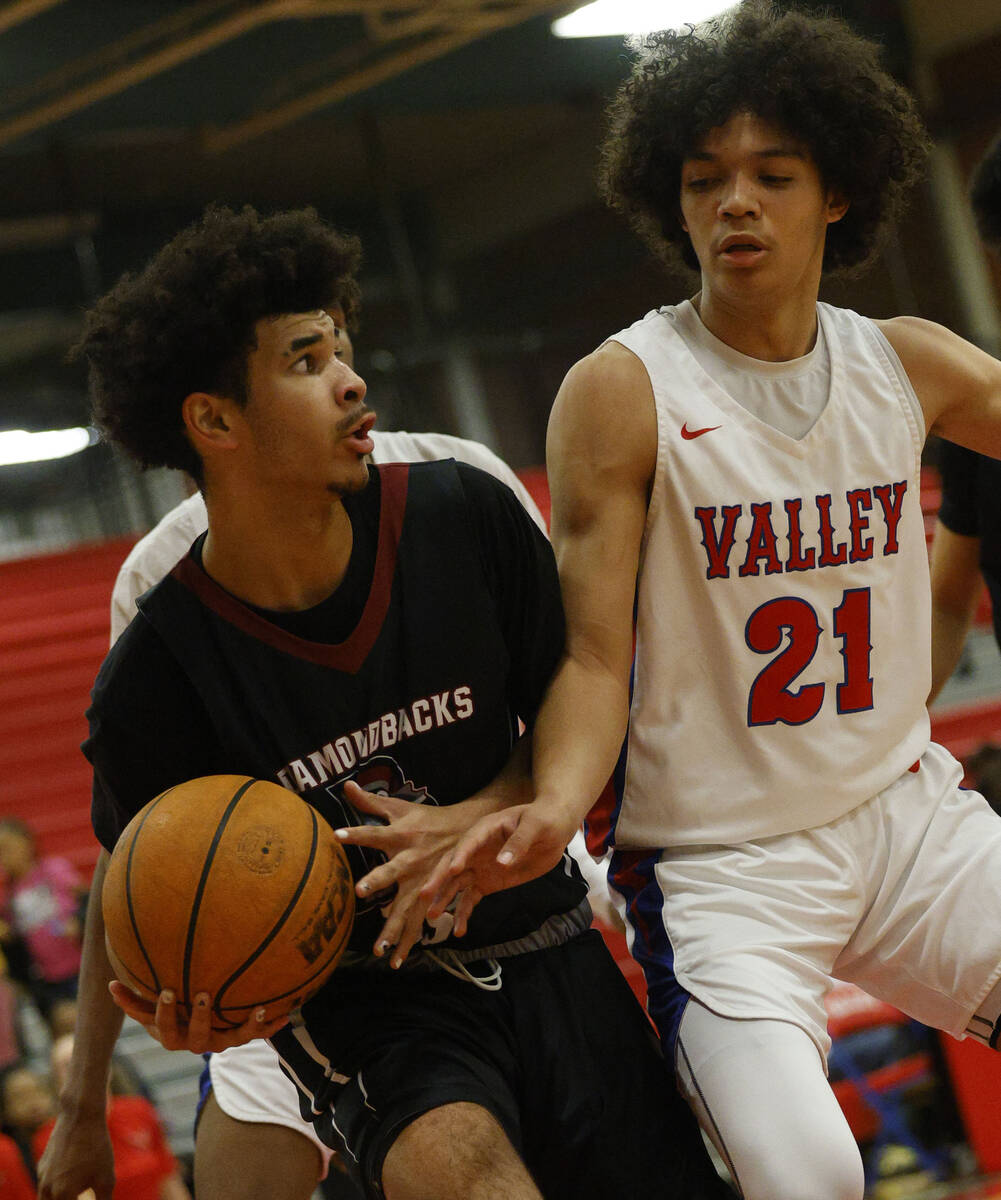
{"points": [[20, 446], [619, 18]]}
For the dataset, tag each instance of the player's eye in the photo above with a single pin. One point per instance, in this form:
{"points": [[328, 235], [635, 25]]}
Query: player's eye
{"points": [[701, 184], [304, 365], [776, 179]]}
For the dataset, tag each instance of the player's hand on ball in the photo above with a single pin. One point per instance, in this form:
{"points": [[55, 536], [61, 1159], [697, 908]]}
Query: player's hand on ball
{"points": [[163, 1022], [416, 839]]}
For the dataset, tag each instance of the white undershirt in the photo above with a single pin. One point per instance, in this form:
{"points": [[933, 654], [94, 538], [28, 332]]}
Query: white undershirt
{"points": [[789, 396]]}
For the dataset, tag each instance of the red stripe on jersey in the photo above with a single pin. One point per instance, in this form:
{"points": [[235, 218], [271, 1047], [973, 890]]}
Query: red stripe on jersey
{"points": [[349, 655]]}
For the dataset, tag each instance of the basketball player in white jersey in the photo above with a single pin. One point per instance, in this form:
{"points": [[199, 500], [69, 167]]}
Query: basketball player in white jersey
{"points": [[742, 471], [252, 1140]]}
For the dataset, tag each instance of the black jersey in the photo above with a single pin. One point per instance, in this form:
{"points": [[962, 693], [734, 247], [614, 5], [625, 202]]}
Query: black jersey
{"points": [[409, 679], [971, 487]]}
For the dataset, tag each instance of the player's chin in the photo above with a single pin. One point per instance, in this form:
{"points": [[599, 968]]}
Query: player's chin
{"points": [[349, 482]]}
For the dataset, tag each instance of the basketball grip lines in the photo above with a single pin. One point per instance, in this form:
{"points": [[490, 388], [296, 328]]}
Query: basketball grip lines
{"points": [[128, 895], [293, 901], [202, 883]]}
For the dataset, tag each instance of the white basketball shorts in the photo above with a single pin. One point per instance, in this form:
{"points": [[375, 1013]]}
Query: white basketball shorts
{"points": [[249, 1085], [902, 896]]}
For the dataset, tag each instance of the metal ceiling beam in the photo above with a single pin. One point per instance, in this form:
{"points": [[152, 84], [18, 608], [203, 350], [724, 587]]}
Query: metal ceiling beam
{"points": [[22, 10], [458, 22], [242, 21], [112, 54], [478, 20]]}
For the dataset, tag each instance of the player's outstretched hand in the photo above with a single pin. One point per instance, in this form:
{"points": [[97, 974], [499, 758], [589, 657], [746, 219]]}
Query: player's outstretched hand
{"points": [[78, 1158], [500, 851], [416, 839], [161, 1021]]}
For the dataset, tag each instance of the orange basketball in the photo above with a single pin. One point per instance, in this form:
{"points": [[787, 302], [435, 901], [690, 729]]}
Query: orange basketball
{"points": [[231, 886]]}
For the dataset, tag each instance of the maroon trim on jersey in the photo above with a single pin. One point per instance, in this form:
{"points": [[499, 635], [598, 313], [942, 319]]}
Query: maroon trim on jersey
{"points": [[348, 655]]}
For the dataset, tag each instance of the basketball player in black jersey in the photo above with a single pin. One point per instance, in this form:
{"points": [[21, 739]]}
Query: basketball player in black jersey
{"points": [[966, 548], [342, 625]]}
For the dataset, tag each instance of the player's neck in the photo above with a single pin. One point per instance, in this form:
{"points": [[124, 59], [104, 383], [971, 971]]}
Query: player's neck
{"points": [[277, 556], [772, 332]]}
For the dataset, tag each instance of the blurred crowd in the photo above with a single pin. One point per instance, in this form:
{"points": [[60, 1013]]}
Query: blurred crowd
{"points": [[42, 905]]}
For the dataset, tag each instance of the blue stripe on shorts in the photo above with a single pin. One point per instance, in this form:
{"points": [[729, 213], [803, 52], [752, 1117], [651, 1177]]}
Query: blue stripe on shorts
{"points": [[204, 1087], [632, 874]]}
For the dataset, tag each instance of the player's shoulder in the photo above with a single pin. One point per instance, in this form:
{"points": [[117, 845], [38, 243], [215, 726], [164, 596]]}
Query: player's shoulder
{"points": [[138, 655], [918, 341], [940, 364], [399, 445], [605, 412], [168, 540], [612, 366], [451, 481]]}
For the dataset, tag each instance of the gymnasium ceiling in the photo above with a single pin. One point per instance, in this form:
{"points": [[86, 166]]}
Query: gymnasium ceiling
{"points": [[442, 130]]}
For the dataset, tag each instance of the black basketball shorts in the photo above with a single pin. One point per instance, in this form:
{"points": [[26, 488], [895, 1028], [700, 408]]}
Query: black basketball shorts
{"points": [[562, 1056]]}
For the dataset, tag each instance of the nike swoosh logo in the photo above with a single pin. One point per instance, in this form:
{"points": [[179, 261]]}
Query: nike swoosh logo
{"points": [[688, 434]]}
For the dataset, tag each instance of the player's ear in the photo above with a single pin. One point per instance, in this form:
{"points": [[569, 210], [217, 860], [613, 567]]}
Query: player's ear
{"points": [[208, 421], [837, 206]]}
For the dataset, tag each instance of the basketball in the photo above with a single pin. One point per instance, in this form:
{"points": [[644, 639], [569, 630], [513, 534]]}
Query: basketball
{"points": [[231, 886]]}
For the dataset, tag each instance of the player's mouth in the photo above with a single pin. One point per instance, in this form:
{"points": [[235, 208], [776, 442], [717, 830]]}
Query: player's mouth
{"points": [[741, 249], [358, 435]]}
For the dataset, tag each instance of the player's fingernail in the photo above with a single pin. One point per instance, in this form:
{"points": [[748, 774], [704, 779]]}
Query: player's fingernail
{"points": [[396, 963], [167, 997], [363, 887], [259, 1016], [340, 833], [383, 947], [505, 857]]}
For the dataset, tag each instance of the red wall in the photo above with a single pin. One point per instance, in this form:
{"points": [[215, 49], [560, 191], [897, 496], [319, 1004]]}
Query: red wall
{"points": [[53, 637]]}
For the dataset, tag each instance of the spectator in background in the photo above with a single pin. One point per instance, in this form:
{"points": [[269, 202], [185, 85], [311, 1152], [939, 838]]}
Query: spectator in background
{"points": [[26, 1104], [966, 548], [62, 1018], [10, 1045], [145, 1168], [41, 907]]}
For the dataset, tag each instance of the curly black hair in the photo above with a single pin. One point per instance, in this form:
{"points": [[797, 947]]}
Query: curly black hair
{"points": [[985, 196], [811, 76], [186, 322]]}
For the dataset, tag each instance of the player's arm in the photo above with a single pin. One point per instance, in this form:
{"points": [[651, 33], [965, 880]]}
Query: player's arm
{"points": [[78, 1155], [601, 455], [958, 385], [148, 732], [955, 587]]}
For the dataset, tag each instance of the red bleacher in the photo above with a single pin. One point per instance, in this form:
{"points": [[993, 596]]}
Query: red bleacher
{"points": [[53, 636]]}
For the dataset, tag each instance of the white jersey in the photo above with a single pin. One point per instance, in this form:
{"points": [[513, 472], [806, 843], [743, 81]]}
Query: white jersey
{"points": [[783, 612], [168, 542]]}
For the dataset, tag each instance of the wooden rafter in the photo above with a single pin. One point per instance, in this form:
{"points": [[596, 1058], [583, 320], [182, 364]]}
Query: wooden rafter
{"points": [[241, 20], [410, 33], [454, 24], [16, 11]]}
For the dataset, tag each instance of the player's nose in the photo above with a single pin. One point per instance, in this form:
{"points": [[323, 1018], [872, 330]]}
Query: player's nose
{"points": [[739, 196], [349, 387]]}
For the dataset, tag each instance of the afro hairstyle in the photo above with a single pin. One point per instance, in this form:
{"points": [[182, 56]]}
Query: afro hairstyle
{"points": [[812, 77], [185, 323]]}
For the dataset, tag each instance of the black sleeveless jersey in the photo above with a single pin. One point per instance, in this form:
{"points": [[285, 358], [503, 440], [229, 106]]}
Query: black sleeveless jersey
{"points": [[447, 639], [971, 487]]}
